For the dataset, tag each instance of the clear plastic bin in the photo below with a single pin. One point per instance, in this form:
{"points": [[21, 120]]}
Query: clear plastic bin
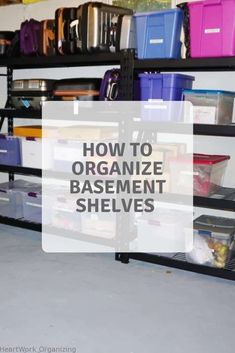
{"points": [[10, 151], [210, 107], [158, 34], [213, 241], [10, 203], [208, 172], [99, 224], [162, 231], [11, 197], [64, 213], [32, 207]]}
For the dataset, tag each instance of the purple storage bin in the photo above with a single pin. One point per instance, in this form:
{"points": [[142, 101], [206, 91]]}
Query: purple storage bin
{"points": [[167, 87], [10, 150], [212, 28]]}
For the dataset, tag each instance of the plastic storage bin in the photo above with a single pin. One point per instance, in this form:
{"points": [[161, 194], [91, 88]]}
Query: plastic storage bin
{"points": [[10, 151], [167, 87], [212, 28], [10, 202], [32, 153], [98, 224], [32, 206], [158, 34], [208, 172], [63, 212], [213, 241], [65, 153], [162, 231], [11, 197], [211, 107], [28, 131]]}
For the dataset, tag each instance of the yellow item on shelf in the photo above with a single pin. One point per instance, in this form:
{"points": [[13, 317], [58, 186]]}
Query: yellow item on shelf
{"points": [[35, 131], [26, 2], [28, 131]]}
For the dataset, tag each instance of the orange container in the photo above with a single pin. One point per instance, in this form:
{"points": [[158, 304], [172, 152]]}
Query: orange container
{"points": [[35, 131]]}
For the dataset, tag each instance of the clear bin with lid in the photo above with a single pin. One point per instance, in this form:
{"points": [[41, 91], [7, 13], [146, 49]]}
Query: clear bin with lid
{"points": [[211, 106], [32, 206], [213, 241], [208, 172], [11, 197]]}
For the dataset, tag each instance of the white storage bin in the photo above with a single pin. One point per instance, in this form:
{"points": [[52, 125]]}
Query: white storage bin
{"points": [[63, 213], [65, 153], [99, 224], [162, 231], [32, 149]]}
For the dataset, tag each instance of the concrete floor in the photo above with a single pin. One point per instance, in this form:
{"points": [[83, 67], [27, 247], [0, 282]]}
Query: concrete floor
{"points": [[96, 305]]}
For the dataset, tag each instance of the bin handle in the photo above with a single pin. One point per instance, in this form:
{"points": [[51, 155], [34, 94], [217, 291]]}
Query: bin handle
{"points": [[211, 2]]}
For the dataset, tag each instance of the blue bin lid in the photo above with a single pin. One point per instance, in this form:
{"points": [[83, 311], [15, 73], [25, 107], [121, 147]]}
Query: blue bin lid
{"points": [[157, 76], [205, 91], [160, 12]]}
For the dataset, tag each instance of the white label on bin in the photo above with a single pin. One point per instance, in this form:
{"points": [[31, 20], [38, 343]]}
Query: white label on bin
{"points": [[63, 210], [212, 30], [156, 41], [204, 115], [3, 151], [33, 204], [66, 153], [4, 199]]}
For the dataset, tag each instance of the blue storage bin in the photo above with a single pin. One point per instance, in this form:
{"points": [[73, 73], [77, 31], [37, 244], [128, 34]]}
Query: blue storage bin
{"points": [[10, 150], [158, 34], [168, 87]]}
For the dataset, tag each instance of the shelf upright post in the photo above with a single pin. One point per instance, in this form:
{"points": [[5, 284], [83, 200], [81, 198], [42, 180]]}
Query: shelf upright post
{"points": [[126, 94], [8, 105], [127, 75]]}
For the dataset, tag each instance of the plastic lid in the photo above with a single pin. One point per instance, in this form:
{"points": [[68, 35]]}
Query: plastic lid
{"points": [[152, 13], [209, 159], [217, 227], [153, 75], [197, 158], [205, 91]]}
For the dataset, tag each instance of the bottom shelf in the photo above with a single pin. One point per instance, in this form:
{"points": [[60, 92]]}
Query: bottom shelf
{"points": [[21, 223], [178, 261]]}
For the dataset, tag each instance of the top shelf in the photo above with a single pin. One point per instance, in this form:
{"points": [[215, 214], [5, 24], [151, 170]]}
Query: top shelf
{"points": [[200, 64], [32, 62]]}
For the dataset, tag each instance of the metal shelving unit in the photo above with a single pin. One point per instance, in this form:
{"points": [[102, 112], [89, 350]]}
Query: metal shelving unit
{"points": [[184, 65], [10, 113], [129, 67], [21, 223]]}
